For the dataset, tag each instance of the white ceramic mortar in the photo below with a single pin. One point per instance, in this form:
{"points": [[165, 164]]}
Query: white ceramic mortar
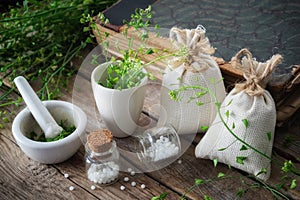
{"points": [[56, 151]]}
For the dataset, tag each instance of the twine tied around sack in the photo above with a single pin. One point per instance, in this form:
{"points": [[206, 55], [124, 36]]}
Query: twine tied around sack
{"points": [[195, 42], [255, 73]]}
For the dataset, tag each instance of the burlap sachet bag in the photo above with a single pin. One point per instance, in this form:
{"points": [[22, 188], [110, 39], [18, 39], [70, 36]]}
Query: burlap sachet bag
{"points": [[196, 68], [249, 112]]}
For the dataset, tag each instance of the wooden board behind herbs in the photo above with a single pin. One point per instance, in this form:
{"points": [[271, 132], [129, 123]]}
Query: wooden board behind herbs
{"points": [[284, 89]]}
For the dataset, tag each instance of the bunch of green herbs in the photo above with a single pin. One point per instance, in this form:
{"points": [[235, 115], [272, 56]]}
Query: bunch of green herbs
{"points": [[67, 130], [128, 70], [39, 39]]}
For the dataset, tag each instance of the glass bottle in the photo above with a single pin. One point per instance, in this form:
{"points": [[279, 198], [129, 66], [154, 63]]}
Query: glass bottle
{"points": [[103, 167], [157, 144]]}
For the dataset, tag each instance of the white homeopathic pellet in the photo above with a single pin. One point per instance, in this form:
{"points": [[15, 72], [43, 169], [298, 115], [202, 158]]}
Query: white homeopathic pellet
{"points": [[103, 173], [179, 161], [129, 169], [133, 184], [126, 179], [132, 173], [93, 187], [71, 188], [122, 187], [162, 148], [66, 175], [143, 186]]}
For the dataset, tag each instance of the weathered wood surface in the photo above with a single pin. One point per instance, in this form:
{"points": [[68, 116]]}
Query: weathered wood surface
{"points": [[23, 178]]}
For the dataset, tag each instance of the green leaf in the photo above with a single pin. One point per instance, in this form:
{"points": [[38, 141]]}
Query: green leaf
{"points": [[269, 136], [215, 162], [222, 149], [227, 113], [287, 166], [218, 104], [200, 94], [279, 186], [212, 80], [199, 103], [160, 197], [221, 175], [106, 34], [86, 29], [293, 184], [204, 128], [207, 197], [174, 95], [229, 102], [149, 51], [245, 122], [262, 171], [5, 119], [240, 193], [243, 148], [233, 125], [88, 40], [240, 159], [198, 181]]}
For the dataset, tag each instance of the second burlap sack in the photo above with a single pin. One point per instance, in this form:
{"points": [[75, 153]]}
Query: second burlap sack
{"points": [[246, 120]]}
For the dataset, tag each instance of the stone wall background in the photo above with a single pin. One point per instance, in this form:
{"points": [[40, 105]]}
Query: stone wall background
{"points": [[265, 27]]}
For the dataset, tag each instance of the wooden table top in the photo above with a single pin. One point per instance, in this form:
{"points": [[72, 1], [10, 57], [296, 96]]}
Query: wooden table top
{"points": [[24, 178]]}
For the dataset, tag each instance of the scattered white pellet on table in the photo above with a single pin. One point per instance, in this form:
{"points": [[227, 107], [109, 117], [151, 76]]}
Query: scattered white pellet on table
{"points": [[93, 187], [132, 173], [143, 186], [129, 169], [126, 179], [66, 175], [122, 187], [179, 161], [133, 184], [71, 188]]}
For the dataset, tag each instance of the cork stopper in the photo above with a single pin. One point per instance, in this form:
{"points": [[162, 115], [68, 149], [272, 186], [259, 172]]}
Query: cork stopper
{"points": [[100, 141]]}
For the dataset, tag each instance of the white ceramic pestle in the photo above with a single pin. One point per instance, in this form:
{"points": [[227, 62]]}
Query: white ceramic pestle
{"points": [[37, 108]]}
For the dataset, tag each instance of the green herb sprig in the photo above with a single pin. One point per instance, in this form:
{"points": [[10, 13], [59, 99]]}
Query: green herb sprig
{"points": [[128, 72], [67, 130], [287, 168], [39, 39]]}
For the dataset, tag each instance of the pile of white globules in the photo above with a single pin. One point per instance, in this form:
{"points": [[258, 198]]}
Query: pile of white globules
{"points": [[103, 173], [163, 148]]}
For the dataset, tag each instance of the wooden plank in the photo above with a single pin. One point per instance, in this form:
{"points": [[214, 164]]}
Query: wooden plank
{"points": [[22, 178], [278, 177], [183, 176], [287, 140]]}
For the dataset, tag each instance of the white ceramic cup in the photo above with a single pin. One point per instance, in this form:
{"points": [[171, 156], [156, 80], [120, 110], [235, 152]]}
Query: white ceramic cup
{"points": [[119, 109]]}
